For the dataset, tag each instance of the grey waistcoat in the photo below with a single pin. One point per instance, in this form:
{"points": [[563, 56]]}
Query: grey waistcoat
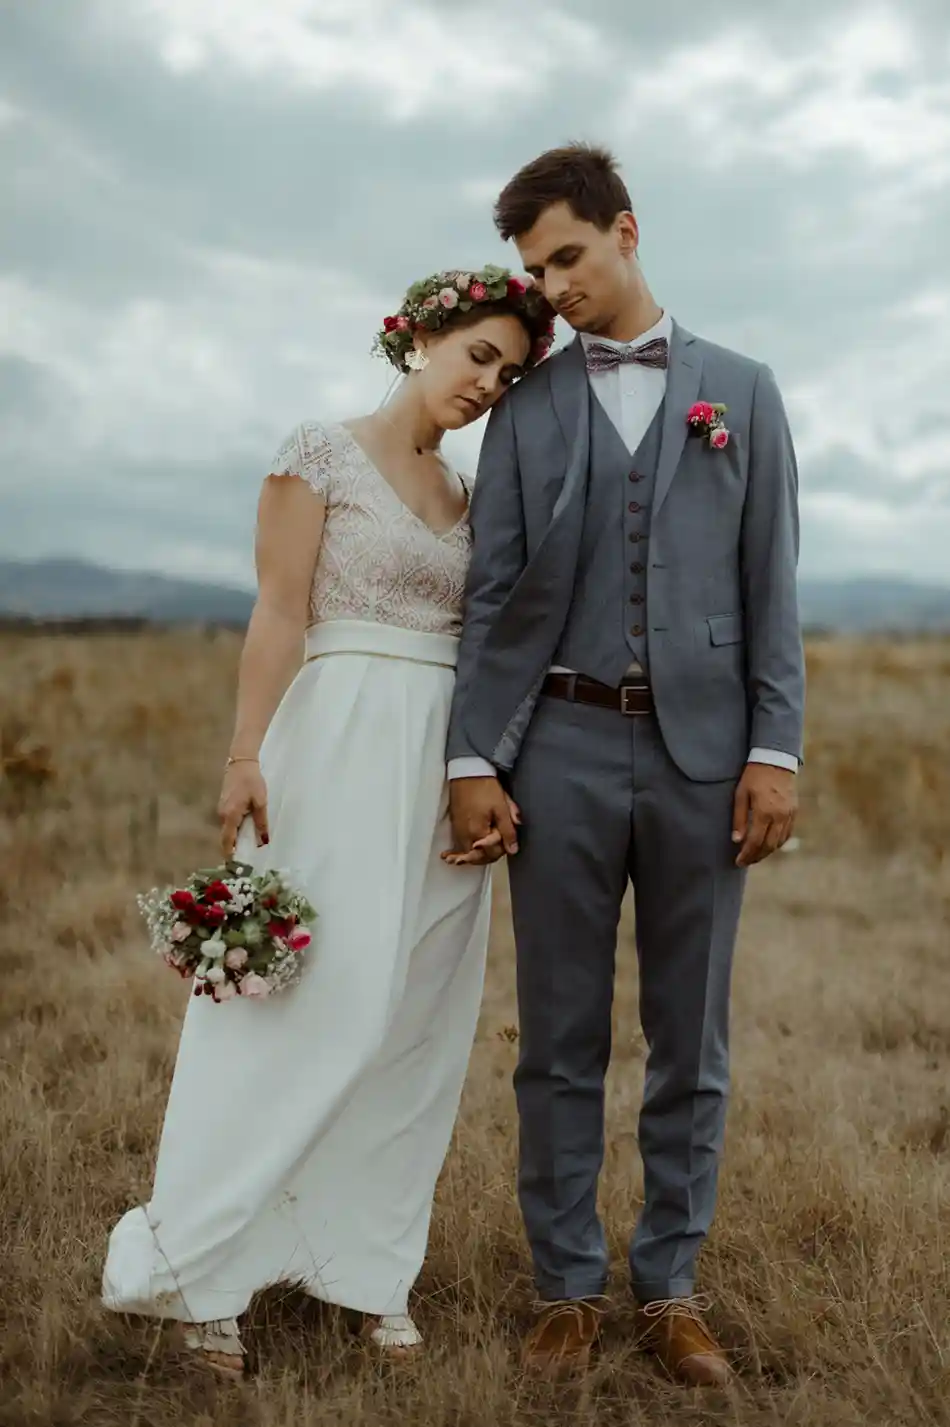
{"points": [[606, 626]]}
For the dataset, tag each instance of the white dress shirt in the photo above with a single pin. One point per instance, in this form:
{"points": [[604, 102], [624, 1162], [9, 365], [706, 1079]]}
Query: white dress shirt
{"points": [[631, 395]]}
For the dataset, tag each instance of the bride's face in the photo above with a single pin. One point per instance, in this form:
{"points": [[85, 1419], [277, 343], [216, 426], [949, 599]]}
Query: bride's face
{"points": [[470, 367]]}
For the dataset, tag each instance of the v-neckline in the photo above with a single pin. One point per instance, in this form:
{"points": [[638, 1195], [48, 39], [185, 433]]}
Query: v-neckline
{"points": [[368, 460]]}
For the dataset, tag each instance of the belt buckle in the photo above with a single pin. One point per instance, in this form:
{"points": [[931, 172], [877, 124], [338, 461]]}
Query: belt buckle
{"points": [[626, 690]]}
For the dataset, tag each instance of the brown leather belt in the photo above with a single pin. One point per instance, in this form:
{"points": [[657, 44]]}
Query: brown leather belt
{"points": [[630, 699]]}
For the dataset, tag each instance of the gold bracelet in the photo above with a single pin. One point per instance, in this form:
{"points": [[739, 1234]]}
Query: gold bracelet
{"points": [[240, 760]]}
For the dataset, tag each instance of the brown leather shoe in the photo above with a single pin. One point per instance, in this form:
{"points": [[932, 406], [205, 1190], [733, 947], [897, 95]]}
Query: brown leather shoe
{"points": [[674, 1330], [561, 1341]]}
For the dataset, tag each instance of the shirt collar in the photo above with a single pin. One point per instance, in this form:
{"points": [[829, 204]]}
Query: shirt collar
{"points": [[663, 328]]}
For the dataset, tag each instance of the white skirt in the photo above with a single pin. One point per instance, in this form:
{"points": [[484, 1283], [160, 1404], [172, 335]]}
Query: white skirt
{"points": [[304, 1134]]}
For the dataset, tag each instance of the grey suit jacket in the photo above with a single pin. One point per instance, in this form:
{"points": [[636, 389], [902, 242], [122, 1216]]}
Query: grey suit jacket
{"points": [[724, 640]]}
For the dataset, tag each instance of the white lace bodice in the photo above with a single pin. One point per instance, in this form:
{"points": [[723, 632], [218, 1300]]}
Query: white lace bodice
{"points": [[378, 561]]}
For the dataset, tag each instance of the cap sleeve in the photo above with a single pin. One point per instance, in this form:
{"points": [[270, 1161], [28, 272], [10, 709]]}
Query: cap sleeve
{"points": [[306, 453]]}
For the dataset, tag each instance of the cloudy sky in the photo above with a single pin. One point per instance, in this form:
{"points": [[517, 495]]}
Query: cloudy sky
{"points": [[208, 206]]}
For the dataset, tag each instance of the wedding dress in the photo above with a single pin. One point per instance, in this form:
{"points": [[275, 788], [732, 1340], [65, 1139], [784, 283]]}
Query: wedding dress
{"points": [[304, 1134]]}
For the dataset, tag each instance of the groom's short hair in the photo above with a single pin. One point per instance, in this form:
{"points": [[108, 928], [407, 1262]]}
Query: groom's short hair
{"points": [[585, 176]]}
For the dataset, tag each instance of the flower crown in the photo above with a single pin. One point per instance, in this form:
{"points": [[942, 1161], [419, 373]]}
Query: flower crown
{"points": [[430, 303]]}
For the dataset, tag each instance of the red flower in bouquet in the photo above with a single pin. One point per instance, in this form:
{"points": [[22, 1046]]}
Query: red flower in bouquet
{"points": [[216, 892], [182, 901]]}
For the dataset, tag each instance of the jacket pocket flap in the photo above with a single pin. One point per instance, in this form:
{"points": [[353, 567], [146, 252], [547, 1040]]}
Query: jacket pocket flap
{"points": [[725, 628]]}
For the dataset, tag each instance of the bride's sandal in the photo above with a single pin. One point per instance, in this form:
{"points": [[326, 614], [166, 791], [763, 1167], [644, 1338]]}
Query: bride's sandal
{"points": [[217, 1345], [393, 1337]]}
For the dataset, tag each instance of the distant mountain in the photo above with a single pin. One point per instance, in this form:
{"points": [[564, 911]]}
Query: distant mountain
{"points": [[866, 604], [74, 589]]}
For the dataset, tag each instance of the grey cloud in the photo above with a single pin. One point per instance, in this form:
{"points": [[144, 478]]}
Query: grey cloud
{"points": [[133, 184]]}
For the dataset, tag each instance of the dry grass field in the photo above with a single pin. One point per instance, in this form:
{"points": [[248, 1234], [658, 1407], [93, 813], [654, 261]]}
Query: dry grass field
{"points": [[830, 1259]]}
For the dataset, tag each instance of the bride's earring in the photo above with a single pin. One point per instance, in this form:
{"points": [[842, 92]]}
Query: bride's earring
{"points": [[416, 360]]}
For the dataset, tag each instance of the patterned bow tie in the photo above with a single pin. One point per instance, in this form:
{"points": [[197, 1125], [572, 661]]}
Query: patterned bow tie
{"points": [[601, 358]]}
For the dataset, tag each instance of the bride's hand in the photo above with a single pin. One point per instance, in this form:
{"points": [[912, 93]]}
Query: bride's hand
{"points": [[243, 794]]}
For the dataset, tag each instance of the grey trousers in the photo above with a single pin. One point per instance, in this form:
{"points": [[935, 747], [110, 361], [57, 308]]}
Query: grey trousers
{"points": [[603, 801]]}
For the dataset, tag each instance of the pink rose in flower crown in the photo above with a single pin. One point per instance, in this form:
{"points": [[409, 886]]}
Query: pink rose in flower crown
{"points": [[516, 287], [254, 986], [463, 282], [402, 324], [430, 303], [449, 298], [719, 438], [299, 939], [478, 292]]}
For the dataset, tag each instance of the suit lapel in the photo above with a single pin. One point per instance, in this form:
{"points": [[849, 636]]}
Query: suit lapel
{"points": [[682, 389], [533, 615], [570, 396]]}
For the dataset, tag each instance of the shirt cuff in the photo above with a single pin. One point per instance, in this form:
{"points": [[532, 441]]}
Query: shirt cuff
{"points": [[775, 757], [471, 768]]}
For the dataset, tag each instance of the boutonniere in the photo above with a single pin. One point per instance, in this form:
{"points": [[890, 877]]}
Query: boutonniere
{"points": [[704, 419]]}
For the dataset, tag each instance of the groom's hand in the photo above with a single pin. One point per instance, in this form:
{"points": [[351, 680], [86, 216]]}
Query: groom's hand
{"points": [[764, 810], [483, 821]]}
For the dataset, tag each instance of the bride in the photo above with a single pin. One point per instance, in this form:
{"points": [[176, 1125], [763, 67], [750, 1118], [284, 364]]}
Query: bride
{"points": [[304, 1134]]}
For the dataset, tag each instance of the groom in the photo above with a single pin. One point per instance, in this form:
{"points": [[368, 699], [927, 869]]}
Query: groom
{"points": [[631, 672]]}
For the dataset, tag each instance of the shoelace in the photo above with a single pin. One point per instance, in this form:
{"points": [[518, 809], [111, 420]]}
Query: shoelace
{"points": [[555, 1307], [693, 1308]]}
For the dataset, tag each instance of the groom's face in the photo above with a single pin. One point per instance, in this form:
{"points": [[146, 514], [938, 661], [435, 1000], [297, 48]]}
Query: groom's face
{"points": [[584, 273]]}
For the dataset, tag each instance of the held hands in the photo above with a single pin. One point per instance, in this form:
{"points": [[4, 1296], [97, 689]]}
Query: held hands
{"points": [[764, 811], [484, 821], [243, 794]]}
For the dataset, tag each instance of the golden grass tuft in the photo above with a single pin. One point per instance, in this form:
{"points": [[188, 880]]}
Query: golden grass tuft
{"points": [[830, 1258]]}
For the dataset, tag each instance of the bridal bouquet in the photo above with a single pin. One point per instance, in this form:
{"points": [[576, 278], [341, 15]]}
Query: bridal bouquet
{"points": [[236, 931]]}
